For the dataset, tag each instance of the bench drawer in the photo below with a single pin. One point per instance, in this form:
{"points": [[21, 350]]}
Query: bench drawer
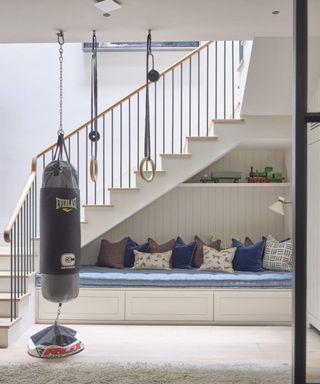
{"points": [[169, 305], [91, 305], [252, 306]]}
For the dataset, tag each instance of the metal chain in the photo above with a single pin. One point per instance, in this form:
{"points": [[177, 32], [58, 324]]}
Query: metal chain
{"points": [[58, 314], [61, 42]]}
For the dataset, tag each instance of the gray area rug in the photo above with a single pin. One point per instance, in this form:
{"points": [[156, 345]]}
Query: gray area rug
{"points": [[60, 371]]}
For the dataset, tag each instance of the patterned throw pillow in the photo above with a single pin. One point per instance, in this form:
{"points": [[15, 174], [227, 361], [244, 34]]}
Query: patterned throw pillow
{"points": [[131, 246], [152, 260], [198, 254], [217, 261], [277, 255]]}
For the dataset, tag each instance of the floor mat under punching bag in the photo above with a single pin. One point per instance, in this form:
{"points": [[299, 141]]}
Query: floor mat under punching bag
{"points": [[60, 232]]}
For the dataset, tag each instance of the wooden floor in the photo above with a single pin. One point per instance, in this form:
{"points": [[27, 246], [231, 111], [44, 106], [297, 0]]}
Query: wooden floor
{"points": [[186, 344]]}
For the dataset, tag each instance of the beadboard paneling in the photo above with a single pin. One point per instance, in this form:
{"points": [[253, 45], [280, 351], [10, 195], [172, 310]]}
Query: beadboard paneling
{"points": [[220, 211], [241, 160]]}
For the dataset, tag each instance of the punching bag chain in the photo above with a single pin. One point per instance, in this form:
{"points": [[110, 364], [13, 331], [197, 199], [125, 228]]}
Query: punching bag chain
{"points": [[147, 148], [58, 314], [60, 37], [60, 143]]}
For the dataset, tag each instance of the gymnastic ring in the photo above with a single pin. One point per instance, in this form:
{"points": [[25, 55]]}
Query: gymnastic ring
{"points": [[144, 161], [93, 169]]}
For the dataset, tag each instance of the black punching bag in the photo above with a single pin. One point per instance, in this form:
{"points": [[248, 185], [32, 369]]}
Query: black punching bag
{"points": [[60, 230]]}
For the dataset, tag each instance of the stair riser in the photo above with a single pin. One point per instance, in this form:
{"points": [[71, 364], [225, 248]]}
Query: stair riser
{"points": [[5, 308], [140, 183], [5, 284], [120, 197], [5, 263]]}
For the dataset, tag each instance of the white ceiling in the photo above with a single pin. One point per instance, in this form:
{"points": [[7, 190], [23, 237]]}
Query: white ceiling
{"points": [[35, 21]]}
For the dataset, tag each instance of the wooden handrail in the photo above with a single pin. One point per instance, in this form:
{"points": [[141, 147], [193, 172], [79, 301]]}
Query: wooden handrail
{"points": [[134, 92], [26, 189]]}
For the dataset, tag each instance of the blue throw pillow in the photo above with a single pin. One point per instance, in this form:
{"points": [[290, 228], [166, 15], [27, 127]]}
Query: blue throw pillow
{"points": [[248, 258], [182, 255], [131, 246]]}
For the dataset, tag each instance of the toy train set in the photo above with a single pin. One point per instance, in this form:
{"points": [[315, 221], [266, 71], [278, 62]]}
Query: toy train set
{"points": [[266, 176]]}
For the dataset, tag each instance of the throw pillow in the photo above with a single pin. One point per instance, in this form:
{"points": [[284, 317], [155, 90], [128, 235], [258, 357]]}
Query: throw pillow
{"points": [[198, 255], [248, 258], [217, 261], [248, 241], [182, 254], [131, 246], [160, 248], [152, 260], [277, 255], [112, 254]]}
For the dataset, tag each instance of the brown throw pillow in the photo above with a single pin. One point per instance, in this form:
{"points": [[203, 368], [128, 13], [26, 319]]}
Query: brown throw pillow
{"points": [[160, 248], [198, 254], [248, 242], [112, 254]]}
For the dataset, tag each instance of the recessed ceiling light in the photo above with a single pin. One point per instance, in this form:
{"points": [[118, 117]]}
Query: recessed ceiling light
{"points": [[275, 12], [107, 6]]}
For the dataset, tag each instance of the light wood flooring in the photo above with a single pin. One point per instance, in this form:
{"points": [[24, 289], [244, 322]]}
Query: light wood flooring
{"points": [[183, 344]]}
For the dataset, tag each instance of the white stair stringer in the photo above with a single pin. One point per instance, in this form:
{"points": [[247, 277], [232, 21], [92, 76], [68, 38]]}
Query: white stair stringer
{"points": [[201, 152]]}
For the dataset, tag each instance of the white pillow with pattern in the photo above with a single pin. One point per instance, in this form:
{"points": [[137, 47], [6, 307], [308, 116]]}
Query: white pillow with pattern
{"points": [[277, 255], [144, 260], [216, 261]]}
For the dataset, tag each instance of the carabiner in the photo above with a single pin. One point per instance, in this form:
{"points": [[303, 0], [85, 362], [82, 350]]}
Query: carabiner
{"points": [[60, 37]]}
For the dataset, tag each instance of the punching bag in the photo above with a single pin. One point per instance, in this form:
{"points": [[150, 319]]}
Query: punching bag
{"points": [[60, 229]]}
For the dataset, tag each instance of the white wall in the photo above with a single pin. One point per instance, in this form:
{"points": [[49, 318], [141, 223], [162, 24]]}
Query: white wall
{"points": [[29, 101]]}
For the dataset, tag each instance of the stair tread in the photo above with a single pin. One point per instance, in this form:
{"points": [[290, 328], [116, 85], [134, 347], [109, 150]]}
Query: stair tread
{"points": [[228, 121], [124, 189], [6, 296], [157, 172], [5, 322], [98, 206], [177, 155], [8, 274], [202, 138]]}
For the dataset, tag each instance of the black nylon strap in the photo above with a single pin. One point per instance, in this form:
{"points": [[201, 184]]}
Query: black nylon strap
{"points": [[60, 148], [94, 97], [147, 147]]}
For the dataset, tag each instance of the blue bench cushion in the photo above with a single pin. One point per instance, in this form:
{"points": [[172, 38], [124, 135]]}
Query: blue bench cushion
{"points": [[95, 277]]}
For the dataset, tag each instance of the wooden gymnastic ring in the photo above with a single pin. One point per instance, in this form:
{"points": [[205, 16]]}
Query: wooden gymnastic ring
{"points": [[144, 161], [93, 169]]}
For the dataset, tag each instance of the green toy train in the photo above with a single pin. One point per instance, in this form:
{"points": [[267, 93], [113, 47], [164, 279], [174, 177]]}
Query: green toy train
{"points": [[267, 176], [217, 176]]}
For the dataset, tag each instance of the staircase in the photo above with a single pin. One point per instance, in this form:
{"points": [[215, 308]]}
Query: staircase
{"points": [[17, 302], [193, 124]]}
